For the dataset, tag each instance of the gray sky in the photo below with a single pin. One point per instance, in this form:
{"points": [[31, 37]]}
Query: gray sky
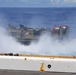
{"points": [[37, 3]]}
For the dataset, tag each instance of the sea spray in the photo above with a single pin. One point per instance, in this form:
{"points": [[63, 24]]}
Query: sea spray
{"points": [[46, 45], [8, 43]]}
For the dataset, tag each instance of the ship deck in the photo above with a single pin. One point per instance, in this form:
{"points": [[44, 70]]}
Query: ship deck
{"points": [[24, 64], [19, 72]]}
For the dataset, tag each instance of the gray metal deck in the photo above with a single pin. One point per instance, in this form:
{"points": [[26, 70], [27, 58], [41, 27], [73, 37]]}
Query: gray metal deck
{"points": [[12, 72]]}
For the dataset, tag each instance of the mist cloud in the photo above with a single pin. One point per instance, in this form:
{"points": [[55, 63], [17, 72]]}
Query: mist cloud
{"points": [[47, 45]]}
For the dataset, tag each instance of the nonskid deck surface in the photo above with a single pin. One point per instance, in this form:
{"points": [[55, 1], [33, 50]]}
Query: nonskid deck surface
{"points": [[18, 72]]}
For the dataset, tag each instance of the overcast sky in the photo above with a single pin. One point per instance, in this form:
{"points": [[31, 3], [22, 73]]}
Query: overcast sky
{"points": [[37, 3]]}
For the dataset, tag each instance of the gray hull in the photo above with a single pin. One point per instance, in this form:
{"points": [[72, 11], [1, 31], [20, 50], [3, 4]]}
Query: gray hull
{"points": [[16, 72]]}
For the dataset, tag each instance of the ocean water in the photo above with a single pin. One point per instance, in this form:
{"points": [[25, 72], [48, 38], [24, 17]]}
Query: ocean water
{"points": [[40, 17]]}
